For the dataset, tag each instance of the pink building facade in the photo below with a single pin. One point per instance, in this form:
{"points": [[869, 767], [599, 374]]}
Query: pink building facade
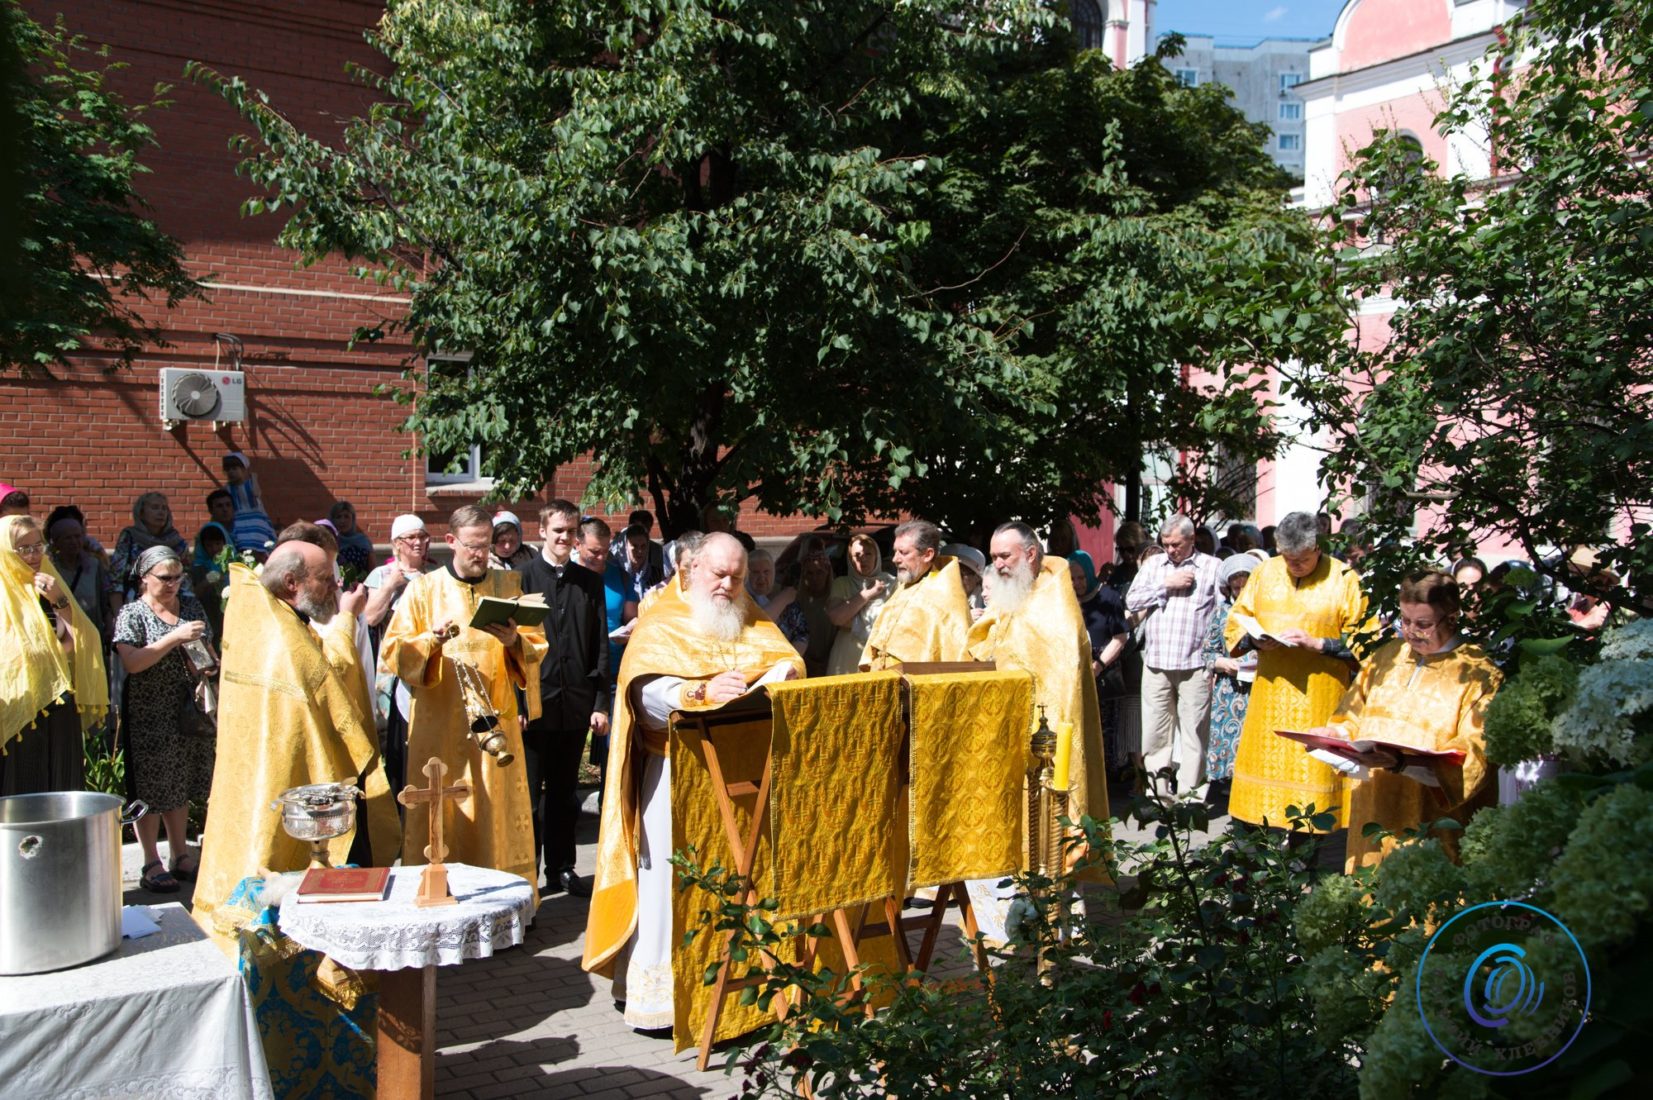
{"points": [[1389, 64]]}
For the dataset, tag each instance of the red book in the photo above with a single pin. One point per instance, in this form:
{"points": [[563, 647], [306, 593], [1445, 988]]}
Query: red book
{"points": [[344, 884], [1409, 754]]}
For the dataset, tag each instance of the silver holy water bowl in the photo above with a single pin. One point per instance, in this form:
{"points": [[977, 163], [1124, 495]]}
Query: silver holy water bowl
{"points": [[316, 813]]}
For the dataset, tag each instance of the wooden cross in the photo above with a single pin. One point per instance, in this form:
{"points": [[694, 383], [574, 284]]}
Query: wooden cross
{"points": [[433, 885]]}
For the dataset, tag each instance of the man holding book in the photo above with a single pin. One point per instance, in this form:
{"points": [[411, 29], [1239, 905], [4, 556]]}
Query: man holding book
{"points": [[429, 635], [574, 690]]}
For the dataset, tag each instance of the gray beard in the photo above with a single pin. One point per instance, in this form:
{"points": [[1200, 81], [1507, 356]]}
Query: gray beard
{"points": [[907, 577], [721, 622], [1011, 592], [320, 613]]}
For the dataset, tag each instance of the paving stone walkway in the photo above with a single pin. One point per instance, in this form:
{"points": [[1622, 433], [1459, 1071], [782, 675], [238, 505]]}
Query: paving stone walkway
{"points": [[530, 1023]]}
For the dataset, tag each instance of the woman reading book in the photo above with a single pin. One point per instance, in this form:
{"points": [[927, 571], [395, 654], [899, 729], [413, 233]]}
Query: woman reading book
{"points": [[1429, 689]]}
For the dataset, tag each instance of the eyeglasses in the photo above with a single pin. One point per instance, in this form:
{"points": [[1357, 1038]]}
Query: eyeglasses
{"points": [[168, 578], [421, 537], [475, 547], [32, 550]]}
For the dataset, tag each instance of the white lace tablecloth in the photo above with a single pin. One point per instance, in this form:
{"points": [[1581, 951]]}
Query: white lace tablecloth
{"points": [[492, 913], [166, 1015]]}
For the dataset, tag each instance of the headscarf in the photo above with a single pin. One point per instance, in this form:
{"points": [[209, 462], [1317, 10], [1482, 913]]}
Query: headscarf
{"points": [[202, 559], [877, 559], [1088, 567], [7, 489], [142, 538], [1232, 567], [45, 672], [152, 557]]}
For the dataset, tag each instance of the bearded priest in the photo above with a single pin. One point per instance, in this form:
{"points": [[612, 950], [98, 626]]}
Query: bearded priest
{"points": [[699, 645], [1033, 623], [495, 826], [928, 616]]}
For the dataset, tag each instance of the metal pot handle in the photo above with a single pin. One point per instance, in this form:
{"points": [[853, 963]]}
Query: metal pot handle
{"points": [[137, 808]]}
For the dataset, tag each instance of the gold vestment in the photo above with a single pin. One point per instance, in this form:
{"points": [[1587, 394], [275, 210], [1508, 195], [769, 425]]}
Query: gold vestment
{"points": [[1437, 701], [927, 620], [494, 826], [288, 715], [1296, 689], [1046, 638], [664, 643]]}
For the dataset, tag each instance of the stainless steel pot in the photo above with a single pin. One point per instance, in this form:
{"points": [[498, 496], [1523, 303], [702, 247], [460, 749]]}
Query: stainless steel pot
{"points": [[60, 879]]}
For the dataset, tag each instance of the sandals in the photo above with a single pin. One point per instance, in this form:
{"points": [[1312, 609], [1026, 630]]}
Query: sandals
{"points": [[161, 882], [186, 874]]}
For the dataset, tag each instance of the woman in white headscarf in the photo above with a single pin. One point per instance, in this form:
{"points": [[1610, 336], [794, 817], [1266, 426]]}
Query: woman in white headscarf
{"points": [[854, 602]]}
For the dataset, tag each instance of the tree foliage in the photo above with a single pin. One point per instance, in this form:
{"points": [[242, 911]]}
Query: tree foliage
{"points": [[80, 257], [1514, 394], [840, 258]]}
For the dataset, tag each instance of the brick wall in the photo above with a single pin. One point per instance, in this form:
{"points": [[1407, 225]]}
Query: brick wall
{"points": [[316, 431]]}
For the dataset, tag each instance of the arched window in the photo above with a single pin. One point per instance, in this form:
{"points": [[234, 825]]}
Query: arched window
{"points": [[1088, 17]]}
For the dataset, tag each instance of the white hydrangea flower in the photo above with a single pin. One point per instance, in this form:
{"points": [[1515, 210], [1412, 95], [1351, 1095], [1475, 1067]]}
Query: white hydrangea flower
{"points": [[1613, 706]]}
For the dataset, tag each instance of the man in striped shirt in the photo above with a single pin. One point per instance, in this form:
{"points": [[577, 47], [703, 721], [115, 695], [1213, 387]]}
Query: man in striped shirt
{"points": [[1178, 592]]}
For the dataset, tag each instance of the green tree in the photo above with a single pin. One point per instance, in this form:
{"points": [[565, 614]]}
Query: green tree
{"points": [[79, 256], [838, 257], [1514, 394]]}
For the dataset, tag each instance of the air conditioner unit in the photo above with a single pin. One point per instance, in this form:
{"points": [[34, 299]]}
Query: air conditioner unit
{"points": [[215, 395]]}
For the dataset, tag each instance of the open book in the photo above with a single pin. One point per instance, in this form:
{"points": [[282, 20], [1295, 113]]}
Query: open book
{"points": [[1254, 629], [527, 610], [1343, 754]]}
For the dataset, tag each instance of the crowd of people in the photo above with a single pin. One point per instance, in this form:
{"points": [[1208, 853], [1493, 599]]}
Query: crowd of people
{"points": [[1181, 656]]}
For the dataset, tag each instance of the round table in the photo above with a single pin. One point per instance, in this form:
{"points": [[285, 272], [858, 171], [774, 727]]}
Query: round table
{"points": [[405, 944]]}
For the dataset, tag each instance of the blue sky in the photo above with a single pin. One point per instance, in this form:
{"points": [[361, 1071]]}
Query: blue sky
{"points": [[1243, 22]]}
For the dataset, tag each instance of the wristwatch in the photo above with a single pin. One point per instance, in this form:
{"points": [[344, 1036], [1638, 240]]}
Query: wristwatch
{"points": [[62, 602], [696, 694]]}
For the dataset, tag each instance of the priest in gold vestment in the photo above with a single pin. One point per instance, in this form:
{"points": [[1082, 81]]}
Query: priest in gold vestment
{"points": [[288, 715], [1033, 624], [494, 827], [700, 644], [928, 616], [1314, 603], [1429, 689]]}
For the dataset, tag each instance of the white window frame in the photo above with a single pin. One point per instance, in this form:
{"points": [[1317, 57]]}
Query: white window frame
{"points": [[1288, 81], [471, 476], [1291, 111], [1290, 143], [1192, 77]]}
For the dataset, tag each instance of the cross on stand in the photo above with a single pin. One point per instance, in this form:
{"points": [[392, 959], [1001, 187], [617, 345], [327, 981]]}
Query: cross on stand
{"points": [[433, 884]]}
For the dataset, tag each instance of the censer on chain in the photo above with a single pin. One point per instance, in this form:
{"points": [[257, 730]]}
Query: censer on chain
{"points": [[479, 708]]}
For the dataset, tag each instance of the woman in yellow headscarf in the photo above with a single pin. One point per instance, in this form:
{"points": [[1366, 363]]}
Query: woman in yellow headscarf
{"points": [[55, 669]]}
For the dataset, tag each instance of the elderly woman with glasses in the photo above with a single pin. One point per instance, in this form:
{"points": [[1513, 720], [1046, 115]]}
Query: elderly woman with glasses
{"points": [[58, 668], [166, 766]]}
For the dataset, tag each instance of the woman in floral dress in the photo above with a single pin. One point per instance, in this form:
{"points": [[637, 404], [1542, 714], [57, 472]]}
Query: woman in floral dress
{"points": [[1231, 677]]}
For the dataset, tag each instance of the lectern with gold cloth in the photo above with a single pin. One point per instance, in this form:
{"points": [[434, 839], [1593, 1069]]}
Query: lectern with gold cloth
{"points": [[803, 789]]}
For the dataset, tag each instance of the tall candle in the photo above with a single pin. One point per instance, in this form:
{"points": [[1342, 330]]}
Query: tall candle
{"points": [[1064, 755]]}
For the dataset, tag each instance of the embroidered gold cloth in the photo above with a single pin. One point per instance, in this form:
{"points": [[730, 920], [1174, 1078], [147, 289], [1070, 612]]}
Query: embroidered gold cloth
{"points": [[969, 764], [1437, 701], [287, 716], [665, 642], [696, 823], [43, 673], [833, 803], [927, 620], [494, 827], [1046, 638], [1296, 689]]}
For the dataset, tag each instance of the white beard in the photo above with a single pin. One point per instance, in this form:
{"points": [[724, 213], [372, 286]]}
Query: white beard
{"points": [[721, 621], [1010, 591]]}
